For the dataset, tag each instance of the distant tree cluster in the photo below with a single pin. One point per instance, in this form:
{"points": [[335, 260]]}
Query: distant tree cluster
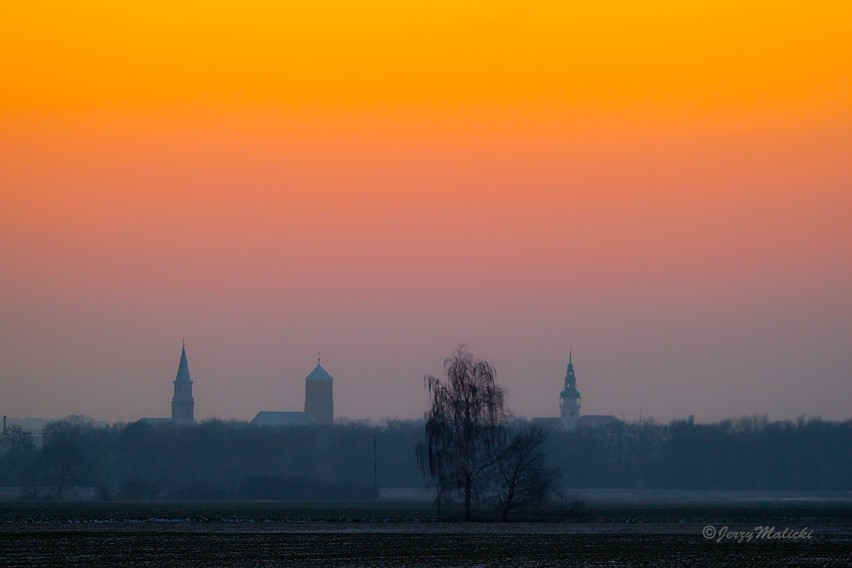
{"points": [[743, 454], [211, 460]]}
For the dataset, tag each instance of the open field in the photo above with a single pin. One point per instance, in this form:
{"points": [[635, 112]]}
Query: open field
{"points": [[383, 533], [480, 547]]}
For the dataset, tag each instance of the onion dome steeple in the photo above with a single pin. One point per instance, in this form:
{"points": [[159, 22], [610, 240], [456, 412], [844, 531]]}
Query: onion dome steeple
{"points": [[569, 398]]}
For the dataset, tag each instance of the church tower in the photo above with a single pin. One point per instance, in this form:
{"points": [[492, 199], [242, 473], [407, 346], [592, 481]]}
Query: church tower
{"points": [[319, 400], [569, 400], [183, 407]]}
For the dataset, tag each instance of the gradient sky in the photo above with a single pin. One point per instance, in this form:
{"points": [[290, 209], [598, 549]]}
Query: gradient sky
{"points": [[663, 187]]}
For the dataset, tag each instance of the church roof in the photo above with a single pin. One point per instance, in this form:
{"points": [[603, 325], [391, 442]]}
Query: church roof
{"points": [[183, 368], [267, 418], [547, 422], [155, 421], [598, 420], [319, 374]]}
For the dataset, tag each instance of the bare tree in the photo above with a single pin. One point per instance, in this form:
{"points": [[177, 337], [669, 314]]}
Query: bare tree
{"points": [[465, 428], [521, 479]]}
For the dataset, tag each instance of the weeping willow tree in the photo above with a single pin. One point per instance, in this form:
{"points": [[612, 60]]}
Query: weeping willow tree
{"points": [[465, 428]]}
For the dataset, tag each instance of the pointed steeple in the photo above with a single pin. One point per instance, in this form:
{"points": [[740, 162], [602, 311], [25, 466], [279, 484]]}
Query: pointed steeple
{"points": [[569, 398], [570, 379], [183, 367], [183, 405]]}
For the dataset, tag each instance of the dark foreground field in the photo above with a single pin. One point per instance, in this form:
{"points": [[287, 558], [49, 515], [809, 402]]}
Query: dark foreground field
{"points": [[404, 535]]}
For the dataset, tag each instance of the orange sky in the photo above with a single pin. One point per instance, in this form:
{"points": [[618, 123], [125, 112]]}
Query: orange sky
{"points": [[665, 186]]}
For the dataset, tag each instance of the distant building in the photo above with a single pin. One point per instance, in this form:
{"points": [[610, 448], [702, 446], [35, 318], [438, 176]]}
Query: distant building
{"points": [[597, 420], [319, 403], [569, 399], [154, 421], [183, 406], [569, 407], [547, 422], [319, 395], [267, 418]]}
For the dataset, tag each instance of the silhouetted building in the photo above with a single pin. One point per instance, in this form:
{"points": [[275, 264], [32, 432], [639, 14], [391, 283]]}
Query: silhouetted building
{"points": [[156, 422], [597, 420], [547, 422], [569, 399], [319, 404], [319, 395], [183, 406], [569, 408], [268, 418]]}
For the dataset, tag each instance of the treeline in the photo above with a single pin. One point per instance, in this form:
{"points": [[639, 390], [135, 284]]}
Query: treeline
{"points": [[233, 460], [743, 454], [211, 460]]}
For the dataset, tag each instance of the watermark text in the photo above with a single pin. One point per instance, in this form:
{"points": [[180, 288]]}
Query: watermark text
{"points": [[727, 534]]}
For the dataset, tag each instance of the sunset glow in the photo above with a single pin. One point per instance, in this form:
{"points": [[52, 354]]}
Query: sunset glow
{"points": [[663, 186]]}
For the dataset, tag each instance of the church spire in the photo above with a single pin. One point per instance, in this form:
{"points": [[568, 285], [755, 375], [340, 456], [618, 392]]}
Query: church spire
{"points": [[183, 405], [570, 379], [569, 399], [183, 367]]}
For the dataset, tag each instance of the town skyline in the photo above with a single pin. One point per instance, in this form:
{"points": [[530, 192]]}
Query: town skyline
{"points": [[292, 400]]}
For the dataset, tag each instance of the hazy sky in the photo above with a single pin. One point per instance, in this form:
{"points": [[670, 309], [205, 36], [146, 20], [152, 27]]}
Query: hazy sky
{"points": [[663, 187]]}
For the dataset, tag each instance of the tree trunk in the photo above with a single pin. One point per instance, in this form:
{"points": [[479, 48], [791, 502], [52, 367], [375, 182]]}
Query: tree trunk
{"points": [[507, 506]]}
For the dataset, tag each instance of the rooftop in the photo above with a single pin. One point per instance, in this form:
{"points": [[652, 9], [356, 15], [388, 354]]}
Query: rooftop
{"points": [[272, 418], [319, 374]]}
